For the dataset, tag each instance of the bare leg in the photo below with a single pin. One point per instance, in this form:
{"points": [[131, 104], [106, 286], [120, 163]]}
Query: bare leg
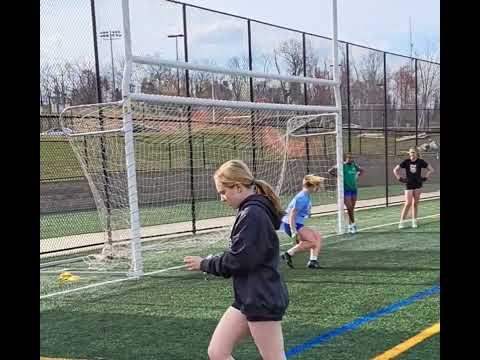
{"points": [[313, 238], [416, 199], [300, 247], [353, 202], [231, 328], [408, 203], [348, 204], [269, 339]]}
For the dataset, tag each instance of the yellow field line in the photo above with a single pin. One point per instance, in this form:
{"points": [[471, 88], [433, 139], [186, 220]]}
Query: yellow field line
{"points": [[400, 348]]}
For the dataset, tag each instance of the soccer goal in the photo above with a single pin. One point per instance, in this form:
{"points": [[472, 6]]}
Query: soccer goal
{"points": [[149, 160]]}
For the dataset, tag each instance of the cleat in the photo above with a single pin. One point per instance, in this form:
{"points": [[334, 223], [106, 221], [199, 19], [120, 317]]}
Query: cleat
{"points": [[287, 258], [313, 264]]}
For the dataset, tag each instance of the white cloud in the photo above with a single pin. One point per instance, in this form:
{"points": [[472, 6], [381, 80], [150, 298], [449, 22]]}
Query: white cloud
{"points": [[382, 24]]}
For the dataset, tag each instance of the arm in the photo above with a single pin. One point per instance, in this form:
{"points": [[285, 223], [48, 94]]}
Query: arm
{"points": [[248, 246], [360, 171], [430, 170], [396, 172], [292, 217], [332, 171]]}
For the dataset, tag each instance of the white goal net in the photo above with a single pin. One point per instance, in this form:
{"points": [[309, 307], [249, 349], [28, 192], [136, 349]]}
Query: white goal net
{"points": [[177, 150]]}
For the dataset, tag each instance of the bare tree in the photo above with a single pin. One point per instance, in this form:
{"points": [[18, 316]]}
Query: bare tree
{"points": [[428, 73], [84, 86], [401, 92], [46, 86], [290, 54], [261, 89], [366, 88], [319, 68], [239, 84]]}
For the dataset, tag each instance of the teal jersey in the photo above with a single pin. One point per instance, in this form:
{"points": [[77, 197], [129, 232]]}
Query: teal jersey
{"points": [[350, 171]]}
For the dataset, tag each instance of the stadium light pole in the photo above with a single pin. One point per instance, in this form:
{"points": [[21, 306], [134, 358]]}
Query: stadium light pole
{"points": [[176, 36], [111, 35]]}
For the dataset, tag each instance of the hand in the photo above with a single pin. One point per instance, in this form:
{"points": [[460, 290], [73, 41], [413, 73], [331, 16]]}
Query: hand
{"points": [[402, 180], [424, 179], [193, 262], [295, 238]]}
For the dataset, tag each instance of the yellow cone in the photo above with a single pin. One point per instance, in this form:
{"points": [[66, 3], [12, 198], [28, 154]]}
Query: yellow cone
{"points": [[68, 277]]}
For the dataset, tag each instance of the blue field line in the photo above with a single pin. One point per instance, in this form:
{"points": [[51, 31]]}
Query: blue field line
{"points": [[361, 321]]}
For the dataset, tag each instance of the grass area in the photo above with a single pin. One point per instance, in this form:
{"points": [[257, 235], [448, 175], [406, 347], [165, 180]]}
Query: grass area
{"points": [[167, 152], [87, 221], [172, 315], [376, 146], [159, 152]]}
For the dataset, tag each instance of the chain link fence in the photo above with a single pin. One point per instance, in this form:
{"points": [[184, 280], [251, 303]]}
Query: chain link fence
{"points": [[390, 102]]}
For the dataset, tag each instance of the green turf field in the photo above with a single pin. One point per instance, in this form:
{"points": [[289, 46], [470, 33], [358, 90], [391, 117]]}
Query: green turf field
{"points": [[87, 221], [173, 314], [58, 160]]}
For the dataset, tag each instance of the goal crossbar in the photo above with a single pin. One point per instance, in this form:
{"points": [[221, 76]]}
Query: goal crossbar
{"points": [[237, 72], [164, 99]]}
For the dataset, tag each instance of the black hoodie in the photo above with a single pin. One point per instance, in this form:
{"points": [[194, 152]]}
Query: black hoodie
{"points": [[252, 260]]}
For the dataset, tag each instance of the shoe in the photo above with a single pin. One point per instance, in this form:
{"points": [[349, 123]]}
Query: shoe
{"points": [[287, 258], [313, 264], [353, 228], [414, 224], [402, 225]]}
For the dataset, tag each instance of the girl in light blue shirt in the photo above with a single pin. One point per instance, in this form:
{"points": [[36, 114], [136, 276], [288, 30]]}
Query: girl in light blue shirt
{"points": [[297, 211]]}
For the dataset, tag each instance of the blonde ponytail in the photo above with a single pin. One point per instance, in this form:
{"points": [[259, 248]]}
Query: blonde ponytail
{"points": [[265, 189], [313, 181]]}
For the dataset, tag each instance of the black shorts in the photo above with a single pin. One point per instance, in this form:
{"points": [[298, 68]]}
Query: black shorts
{"points": [[413, 186], [253, 313]]}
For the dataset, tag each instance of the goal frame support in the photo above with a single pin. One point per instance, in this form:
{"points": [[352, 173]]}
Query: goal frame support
{"points": [[128, 97]]}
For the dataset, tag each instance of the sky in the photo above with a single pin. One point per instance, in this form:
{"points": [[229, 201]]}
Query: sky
{"points": [[66, 32], [380, 24]]}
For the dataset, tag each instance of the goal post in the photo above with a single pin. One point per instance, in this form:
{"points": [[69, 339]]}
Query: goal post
{"points": [[338, 122], [160, 135], [158, 154]]}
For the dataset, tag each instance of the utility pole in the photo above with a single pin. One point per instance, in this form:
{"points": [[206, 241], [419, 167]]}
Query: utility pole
{"points": [[111, 35], [176, 36]]}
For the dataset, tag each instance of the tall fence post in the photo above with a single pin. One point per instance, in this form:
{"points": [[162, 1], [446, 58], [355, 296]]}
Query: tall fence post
{"points": [[169, 155], [394, 142], [416, 103], [189, 120], [385, 131], [203, 152], [252, 98], [106, 180], [347, 64], [305, 99], [360, 143]]}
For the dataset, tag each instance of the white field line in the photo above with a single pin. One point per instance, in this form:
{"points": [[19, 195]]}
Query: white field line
{"points": [[219, 220], [85, 272], [107, 282], [184, 266], [169, 230], [370, 227]]}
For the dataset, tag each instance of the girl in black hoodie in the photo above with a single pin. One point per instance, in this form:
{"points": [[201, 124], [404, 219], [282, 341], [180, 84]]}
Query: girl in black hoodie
{"points": [[261, 296]]}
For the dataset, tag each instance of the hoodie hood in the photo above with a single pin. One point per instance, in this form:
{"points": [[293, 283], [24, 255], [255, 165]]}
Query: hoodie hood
{"points": [[265, 203]]}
